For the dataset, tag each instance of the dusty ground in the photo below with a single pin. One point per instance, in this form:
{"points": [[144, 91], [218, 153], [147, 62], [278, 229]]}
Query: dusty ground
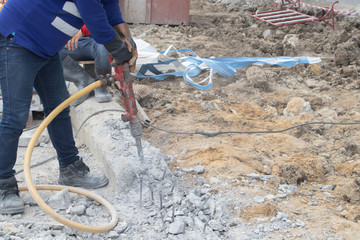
{"points": [[254, 100], [297, 184]]}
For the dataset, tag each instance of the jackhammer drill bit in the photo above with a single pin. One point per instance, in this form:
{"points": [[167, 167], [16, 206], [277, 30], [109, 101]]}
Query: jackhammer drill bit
{"points": [[122, 74]]}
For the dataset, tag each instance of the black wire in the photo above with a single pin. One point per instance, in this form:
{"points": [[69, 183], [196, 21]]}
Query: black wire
{"points": [[36, 164], [95, 113], [213, 134], [30, 128]]}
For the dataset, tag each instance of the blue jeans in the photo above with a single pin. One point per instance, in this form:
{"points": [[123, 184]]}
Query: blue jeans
{"points": [[20, 71], [89, 50]]}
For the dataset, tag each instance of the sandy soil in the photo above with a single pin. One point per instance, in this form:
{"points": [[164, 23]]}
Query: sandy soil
{"points": [[267, 98]]}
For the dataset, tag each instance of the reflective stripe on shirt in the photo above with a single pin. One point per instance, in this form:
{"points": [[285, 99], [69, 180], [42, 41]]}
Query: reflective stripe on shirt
{"points": [[64, 27], [70, 7]]}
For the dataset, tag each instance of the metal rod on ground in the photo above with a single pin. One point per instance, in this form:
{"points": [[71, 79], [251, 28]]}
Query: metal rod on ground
{"points": [[151, 194], [164, 174], [162, 219], [160, 198], [205, 225], [141, 186], [173, 186], [141, 157], [173, 212], [182, 197]]}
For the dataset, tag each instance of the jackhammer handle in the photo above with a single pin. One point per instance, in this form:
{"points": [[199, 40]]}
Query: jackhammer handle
{"points": [[127, 93]]}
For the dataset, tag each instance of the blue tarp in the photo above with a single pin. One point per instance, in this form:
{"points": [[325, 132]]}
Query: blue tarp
{"points": [[225, 66]]}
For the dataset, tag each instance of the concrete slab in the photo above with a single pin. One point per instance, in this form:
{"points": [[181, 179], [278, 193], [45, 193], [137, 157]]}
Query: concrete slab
{"points": [[110, 141], [28, 134]]}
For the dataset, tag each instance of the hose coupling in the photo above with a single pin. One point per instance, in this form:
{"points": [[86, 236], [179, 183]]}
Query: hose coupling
{"points": [[106, 80]]}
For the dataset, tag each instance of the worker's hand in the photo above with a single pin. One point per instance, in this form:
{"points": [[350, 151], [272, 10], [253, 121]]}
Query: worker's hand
{"points": [[132, 61], [2, 2], [72, 44], [118, 50], [133, 49]]}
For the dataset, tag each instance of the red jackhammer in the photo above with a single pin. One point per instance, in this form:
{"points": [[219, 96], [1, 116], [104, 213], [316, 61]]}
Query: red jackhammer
{"points": [[122, 75]]}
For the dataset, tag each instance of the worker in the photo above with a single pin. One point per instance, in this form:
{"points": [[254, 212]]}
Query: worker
{"points": [[82, 47], [32, 32]]}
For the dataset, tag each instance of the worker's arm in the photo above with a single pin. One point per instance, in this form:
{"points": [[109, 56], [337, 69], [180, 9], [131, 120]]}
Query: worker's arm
{"points": [[95, 18], [114, 14], [98, 16], [123, 30], [113, 11]]}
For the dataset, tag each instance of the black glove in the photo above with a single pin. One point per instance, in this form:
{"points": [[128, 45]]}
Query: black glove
{"points": [[118, 50], [132, 43]]}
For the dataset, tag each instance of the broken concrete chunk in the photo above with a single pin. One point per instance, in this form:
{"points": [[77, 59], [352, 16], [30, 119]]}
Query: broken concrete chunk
{"points": [[61, 200], [266, 33], [297, 106], [9, 229], [319, 186], [91, 211], [113, 235], [216, 225], [72, 231], [300, 223], [329, 187], [30, 201], [259, 199], [176, 228], [199, 169], [198, 191], [77, 210], [121, 227], [156, 173], [209, 106], [200, 181], [288, 188]]}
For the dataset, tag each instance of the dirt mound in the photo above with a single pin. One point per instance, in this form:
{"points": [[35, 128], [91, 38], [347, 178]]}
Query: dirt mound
{"points": [[266, 98]]}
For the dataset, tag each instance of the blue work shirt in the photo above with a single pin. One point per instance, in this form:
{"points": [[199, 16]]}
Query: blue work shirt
{"points": [[45, 26]]}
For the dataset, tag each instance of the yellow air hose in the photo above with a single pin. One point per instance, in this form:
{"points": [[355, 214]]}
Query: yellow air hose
{"points": [[33, 189]]}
